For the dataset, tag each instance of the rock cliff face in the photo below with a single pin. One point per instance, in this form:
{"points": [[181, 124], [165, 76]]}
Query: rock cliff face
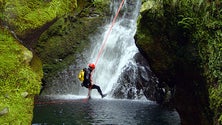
{"points": [[170, 36], [20, 75], [59, 45]]}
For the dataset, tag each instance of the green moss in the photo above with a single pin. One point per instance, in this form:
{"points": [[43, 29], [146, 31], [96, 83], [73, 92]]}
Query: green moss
{"points": [[100, 3], [190, 30], [16, 78], [216, 101], [23, 15], [209, 37], [58, 50], [68, 36]]}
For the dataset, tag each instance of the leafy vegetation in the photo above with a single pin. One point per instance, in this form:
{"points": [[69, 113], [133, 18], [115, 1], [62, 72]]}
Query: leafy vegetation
{"points": [[18, 81], [196, 23], [209, 37], [201, 22]]}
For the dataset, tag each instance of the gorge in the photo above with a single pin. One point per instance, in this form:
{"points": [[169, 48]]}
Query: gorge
{"points": [[170, 54]]}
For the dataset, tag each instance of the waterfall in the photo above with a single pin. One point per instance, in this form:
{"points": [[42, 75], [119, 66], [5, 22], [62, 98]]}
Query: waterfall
{"points": [[119, 50], [121, 71]]}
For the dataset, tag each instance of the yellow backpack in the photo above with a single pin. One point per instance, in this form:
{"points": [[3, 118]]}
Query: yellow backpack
{"points": [[81, 75]]}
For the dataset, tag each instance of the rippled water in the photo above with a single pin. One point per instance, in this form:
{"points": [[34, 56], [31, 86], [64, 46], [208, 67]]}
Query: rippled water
{"points": [[102, 111]]}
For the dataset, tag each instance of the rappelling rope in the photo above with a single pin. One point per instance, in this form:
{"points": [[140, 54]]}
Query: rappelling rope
{"points": [[107, 35], [105, 40]]}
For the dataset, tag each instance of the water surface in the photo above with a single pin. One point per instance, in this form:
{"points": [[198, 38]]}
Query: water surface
{"points": [[102, 111]]}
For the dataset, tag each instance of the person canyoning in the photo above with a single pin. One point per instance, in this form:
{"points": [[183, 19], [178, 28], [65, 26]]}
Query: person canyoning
{"points": [[87, 80]]}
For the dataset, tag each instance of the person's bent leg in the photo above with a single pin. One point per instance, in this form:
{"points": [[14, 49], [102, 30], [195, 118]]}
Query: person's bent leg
{"points": [[98, 89]]}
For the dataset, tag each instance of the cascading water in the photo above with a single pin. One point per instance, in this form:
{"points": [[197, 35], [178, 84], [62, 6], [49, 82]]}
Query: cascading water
{"points": [[121, 71], [118, 54]]}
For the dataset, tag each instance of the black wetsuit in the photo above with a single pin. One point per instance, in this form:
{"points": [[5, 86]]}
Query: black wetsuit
{"points": [[87, 81]]}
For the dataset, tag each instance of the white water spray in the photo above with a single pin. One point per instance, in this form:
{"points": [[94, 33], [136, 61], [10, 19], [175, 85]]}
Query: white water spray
{"points": [[119, 50]]}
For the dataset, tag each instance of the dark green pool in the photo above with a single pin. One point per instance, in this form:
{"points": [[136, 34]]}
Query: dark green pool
{"points": [[102, 111]]}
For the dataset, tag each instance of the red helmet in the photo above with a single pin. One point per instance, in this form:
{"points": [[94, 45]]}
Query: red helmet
{"points": [[92, 66]]}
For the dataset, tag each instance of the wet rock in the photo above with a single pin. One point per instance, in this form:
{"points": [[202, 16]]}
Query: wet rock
{"points": [[136, 81]]}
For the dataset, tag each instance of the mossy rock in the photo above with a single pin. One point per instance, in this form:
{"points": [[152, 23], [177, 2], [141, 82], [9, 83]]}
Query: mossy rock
{"points": [[68, 36], [24, 16], [180, 39], [19, 82]]}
